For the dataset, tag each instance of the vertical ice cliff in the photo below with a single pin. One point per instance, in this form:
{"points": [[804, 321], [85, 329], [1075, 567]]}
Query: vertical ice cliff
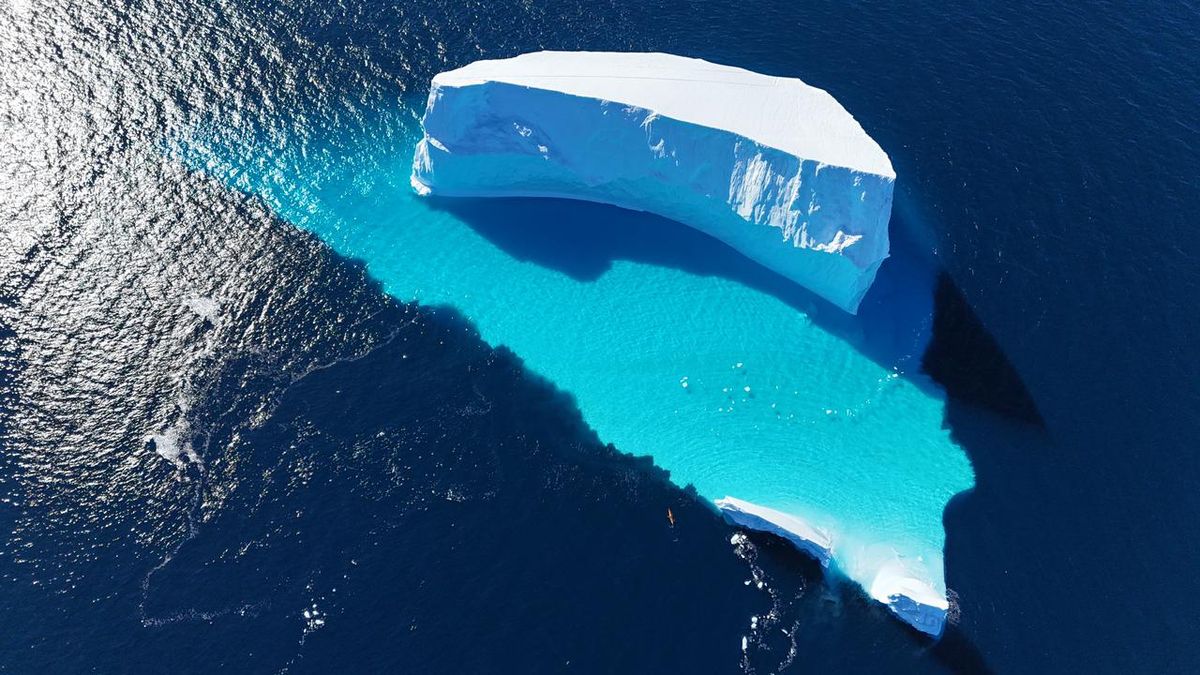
{"points": [[769, 165]]}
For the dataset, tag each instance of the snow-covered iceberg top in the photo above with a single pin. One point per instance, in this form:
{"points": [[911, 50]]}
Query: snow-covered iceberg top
{"points": [[775, 168], [780, 112]]}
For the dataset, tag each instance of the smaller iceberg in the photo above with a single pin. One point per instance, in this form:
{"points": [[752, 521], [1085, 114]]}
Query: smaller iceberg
{"points": [[914, 600], [773, 167], [779, 171]]}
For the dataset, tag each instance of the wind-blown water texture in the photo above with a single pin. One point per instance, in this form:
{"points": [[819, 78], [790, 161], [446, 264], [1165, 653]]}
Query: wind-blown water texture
{"points": [[1049, 154]]}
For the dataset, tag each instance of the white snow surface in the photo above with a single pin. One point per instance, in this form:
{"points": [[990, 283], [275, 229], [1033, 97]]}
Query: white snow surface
{"points": [[780, 112], [805, 536]]}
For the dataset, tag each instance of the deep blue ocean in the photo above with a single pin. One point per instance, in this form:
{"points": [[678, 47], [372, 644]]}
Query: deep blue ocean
{"points": [[223, 446]]}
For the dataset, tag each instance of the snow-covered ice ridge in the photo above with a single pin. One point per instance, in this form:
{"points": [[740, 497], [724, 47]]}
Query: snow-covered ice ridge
{"points": [[911, 598], [775, 168]]}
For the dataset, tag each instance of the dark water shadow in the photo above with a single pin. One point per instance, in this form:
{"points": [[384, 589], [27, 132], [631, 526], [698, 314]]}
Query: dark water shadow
{"points": [[999, 532], [966, 360]]}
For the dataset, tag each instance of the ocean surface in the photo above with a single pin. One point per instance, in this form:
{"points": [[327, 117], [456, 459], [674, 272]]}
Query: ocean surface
{"points": [[264, 410]]}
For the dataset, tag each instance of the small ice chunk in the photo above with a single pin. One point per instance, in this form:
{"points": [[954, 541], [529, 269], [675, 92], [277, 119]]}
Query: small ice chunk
{"points": [[172, 446], [205, 308]]}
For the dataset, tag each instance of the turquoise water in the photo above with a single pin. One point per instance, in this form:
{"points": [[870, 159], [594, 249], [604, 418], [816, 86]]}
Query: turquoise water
{"points": [[734, 386]]}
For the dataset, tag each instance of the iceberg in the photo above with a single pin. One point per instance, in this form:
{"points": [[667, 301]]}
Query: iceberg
{"points": [[730, 387], [771, 166]]}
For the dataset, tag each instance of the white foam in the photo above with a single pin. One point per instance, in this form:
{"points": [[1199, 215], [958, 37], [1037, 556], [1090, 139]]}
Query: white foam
{"points": [[205, 308], [170, 446]]}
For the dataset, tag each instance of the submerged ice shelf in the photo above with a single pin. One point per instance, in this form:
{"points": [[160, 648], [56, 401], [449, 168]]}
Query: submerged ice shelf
{"points": [[622, 309], [771, 166]]}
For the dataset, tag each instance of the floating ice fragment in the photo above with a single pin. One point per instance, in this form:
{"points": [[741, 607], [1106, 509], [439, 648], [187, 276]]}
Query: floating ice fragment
{"points": [[205, 308]]}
